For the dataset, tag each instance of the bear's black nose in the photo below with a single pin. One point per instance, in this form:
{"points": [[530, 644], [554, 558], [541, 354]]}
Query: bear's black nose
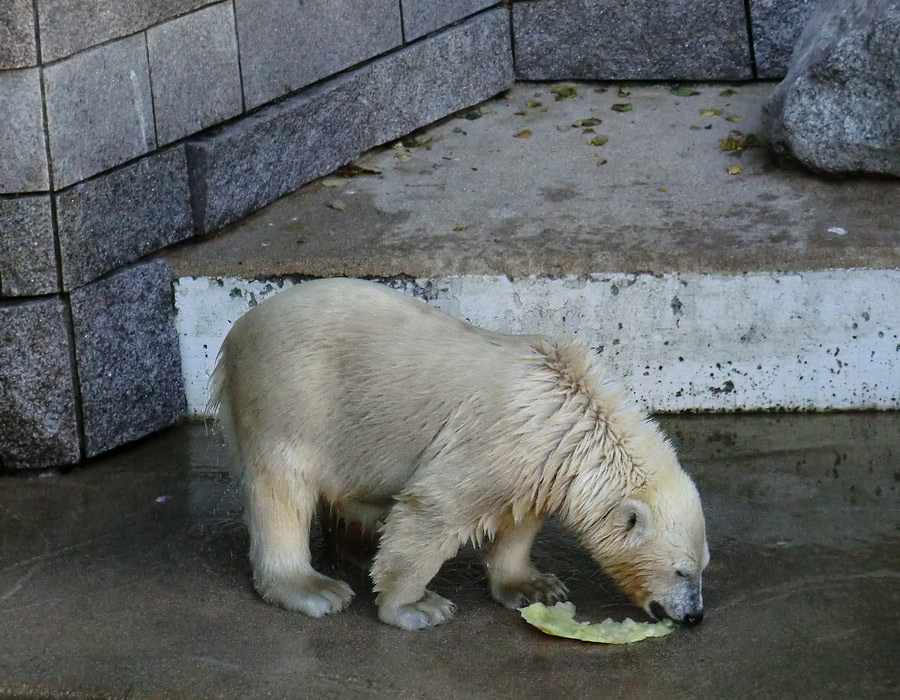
{"points": [[693, 619]]}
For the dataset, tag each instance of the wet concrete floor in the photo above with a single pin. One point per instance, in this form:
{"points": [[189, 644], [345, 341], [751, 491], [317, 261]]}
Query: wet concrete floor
{"points": [[128, 579]]}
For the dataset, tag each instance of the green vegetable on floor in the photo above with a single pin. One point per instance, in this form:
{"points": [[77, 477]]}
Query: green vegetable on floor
{"points": [[560, 622]]}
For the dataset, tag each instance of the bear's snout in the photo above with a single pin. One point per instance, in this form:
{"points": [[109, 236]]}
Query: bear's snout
{"points": [[684, 606]]}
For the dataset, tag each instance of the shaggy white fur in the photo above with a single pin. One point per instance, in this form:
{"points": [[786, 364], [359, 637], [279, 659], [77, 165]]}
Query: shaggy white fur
{"points": [[435, 433]]}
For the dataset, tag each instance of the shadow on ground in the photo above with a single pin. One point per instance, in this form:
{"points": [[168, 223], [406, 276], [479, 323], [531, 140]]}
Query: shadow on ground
{"points": [[129, 578]]}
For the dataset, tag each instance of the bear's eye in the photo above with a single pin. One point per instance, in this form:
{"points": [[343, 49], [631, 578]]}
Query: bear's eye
{"points": [[680, 574]]}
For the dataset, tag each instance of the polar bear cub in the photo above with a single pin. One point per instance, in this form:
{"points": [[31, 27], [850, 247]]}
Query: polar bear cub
{"points": [[432, 433]]}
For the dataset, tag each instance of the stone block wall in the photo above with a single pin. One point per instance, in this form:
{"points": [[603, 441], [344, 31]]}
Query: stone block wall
{"points": [[126, 127]]}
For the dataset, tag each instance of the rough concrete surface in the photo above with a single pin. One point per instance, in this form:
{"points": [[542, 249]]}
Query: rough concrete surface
{"points": [[129, 578], [657, 197]]}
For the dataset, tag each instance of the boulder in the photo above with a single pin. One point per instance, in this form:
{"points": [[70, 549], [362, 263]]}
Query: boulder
{"points": [[836, 111]]}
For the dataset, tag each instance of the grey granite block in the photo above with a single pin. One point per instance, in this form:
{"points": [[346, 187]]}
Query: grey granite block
{"points": [[18, 48], [121, 216], [286, 44], [636, 40], [99, 109], [38, 423], [776, 27], [836, 110], [250, 163], [68, 26], [423, 16], [27, 248], [23, 148], [129, 367], [194, 72]]}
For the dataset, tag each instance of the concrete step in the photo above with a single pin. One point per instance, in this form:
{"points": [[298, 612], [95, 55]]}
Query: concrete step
{"points": [[706, 279]]}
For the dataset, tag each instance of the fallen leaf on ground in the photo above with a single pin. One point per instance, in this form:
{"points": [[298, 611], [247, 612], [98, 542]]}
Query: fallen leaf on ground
{"points": [[524, 134], [733, 118], [354, 169], [520, 112], [460, 228], [684, 91], [564, 91], [734, 169], [739, 141], [599, 140], [622, 107], [334, 182], [413, 141], [662, 189], [473, 115], [563, 127], [726, 93], [337, 205], [710, 112], [533, 103], [590, 121], [623, 92]]}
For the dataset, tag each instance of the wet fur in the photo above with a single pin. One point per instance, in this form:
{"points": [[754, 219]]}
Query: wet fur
{"points": [[435, 433]]}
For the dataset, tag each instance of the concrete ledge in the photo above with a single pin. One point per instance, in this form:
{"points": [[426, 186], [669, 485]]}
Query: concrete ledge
{"points": [[679, 342]]}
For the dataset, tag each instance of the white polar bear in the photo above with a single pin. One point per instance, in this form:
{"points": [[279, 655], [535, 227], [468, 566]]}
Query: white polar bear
{"points": [[433, 433]]}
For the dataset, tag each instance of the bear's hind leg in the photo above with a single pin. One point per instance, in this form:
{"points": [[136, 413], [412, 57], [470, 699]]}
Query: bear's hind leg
{"points": [[278, 518], [514, 581], [411, 552]]}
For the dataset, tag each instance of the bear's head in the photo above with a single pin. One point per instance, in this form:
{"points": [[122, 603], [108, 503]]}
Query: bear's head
{"points": [[651, 537]]}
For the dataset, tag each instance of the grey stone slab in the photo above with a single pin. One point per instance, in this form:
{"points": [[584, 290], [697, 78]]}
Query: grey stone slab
{"points": [[423, 16], [836, 111], [776, 27], [99, 109], [270, 153], [18, 48], [27, 248], [121, 216], [23, 147], [38, 424], [636, 40], [129, 367], [68, 26], [194, 72], [286, 44]]}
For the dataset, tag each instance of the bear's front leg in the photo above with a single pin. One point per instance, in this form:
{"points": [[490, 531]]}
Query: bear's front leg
{"points": [[413, 548], [514, 581]]}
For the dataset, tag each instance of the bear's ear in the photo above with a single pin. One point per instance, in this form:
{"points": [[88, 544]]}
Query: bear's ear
{"points": [[635, 519]]}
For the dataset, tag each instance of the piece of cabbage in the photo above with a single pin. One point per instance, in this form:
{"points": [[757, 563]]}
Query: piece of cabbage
{"points": [[559, 621]]}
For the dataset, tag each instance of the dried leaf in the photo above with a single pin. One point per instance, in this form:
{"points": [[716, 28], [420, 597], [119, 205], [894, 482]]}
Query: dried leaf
{"points": [[710, 112], [337, 205], [662, 189], [520, 113], [738, 141], [733, 118], [590, 121], [622, 107], [533, 103], [726, 93], [684, 91], [414, 141], [564, 91], [588, 131], [734, 169], [623, 92], [563, 127], [334, 182], [524, 134], [599, 140], [354, 169]]}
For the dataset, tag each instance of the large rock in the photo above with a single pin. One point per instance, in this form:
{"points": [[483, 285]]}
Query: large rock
{"points": [[836, 111]]}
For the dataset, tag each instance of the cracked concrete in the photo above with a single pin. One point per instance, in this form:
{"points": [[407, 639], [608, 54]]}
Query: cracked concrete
{"points": [[129, 579]]}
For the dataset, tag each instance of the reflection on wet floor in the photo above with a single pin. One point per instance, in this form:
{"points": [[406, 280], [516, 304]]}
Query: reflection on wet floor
{"points": [[129, 577]]}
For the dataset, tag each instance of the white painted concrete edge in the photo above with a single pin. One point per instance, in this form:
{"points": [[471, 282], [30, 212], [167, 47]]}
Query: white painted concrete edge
{"points": [[824, 340]]}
